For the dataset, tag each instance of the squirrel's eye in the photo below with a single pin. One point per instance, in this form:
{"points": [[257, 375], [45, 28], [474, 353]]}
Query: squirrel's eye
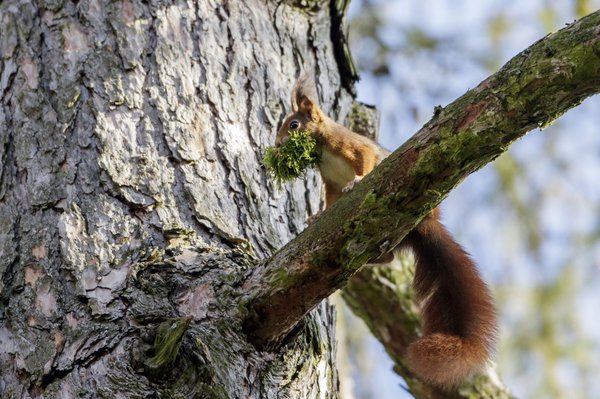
{"points": [[294, 125]]}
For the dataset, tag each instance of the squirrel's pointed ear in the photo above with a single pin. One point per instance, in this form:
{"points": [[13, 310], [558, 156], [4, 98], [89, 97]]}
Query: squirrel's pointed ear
{"points": [[307, 106], [304, 96], [294, 102]]}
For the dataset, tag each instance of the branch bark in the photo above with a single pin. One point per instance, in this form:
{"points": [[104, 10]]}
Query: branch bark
{"points": [[533, 89]]}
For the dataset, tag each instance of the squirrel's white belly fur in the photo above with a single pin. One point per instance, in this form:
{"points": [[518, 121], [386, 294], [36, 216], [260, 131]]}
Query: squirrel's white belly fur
{"points": [[335, 170]]}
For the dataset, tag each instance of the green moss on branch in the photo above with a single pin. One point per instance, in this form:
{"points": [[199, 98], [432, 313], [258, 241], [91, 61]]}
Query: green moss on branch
{"points": [[162, 355]]}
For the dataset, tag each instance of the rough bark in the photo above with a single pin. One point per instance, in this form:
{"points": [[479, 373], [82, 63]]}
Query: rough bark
{"points": [[133, 203]]}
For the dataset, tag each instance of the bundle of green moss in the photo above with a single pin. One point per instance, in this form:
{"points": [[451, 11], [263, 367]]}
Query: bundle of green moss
{"points": [[290, 160]]}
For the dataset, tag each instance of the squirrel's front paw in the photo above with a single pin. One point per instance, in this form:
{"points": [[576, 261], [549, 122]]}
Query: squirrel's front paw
{"points": [[350, 185]]}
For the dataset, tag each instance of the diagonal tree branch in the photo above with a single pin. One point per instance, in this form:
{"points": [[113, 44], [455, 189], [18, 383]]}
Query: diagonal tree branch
{"points": [[534, 88]]}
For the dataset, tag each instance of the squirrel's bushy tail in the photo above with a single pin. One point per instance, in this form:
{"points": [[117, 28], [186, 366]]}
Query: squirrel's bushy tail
{"points": [[459, 319]]}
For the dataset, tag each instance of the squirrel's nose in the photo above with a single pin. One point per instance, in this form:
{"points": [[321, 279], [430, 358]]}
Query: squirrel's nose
{"points": [[279, 141]]}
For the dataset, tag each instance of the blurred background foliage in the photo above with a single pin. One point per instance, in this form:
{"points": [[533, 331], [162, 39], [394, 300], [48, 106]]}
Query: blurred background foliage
{"points": [[531, 219]]}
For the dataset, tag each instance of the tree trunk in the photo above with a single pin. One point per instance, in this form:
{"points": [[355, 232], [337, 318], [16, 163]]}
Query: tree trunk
{"points": [[133, 202]]}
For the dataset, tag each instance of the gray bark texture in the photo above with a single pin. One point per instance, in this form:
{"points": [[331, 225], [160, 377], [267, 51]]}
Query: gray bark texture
{"points": [[132, 199]]}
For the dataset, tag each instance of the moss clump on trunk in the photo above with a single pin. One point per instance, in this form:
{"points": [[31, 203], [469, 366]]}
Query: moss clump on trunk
{"points": [[161, 357]]}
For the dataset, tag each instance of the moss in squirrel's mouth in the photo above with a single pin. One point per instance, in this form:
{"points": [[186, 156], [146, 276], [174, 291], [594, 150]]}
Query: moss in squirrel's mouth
{"points": [[290, 160]]}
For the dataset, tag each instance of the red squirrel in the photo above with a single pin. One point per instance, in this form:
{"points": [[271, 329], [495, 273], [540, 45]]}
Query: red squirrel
{"points": [[458, 314]]}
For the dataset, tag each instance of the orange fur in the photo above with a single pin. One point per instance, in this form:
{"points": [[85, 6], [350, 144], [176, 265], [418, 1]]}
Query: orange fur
{"points": [[459, 319]]}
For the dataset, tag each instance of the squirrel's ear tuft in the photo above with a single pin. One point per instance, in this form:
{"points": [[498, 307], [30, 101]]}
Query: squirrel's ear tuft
{"points": [[304, 95]]}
